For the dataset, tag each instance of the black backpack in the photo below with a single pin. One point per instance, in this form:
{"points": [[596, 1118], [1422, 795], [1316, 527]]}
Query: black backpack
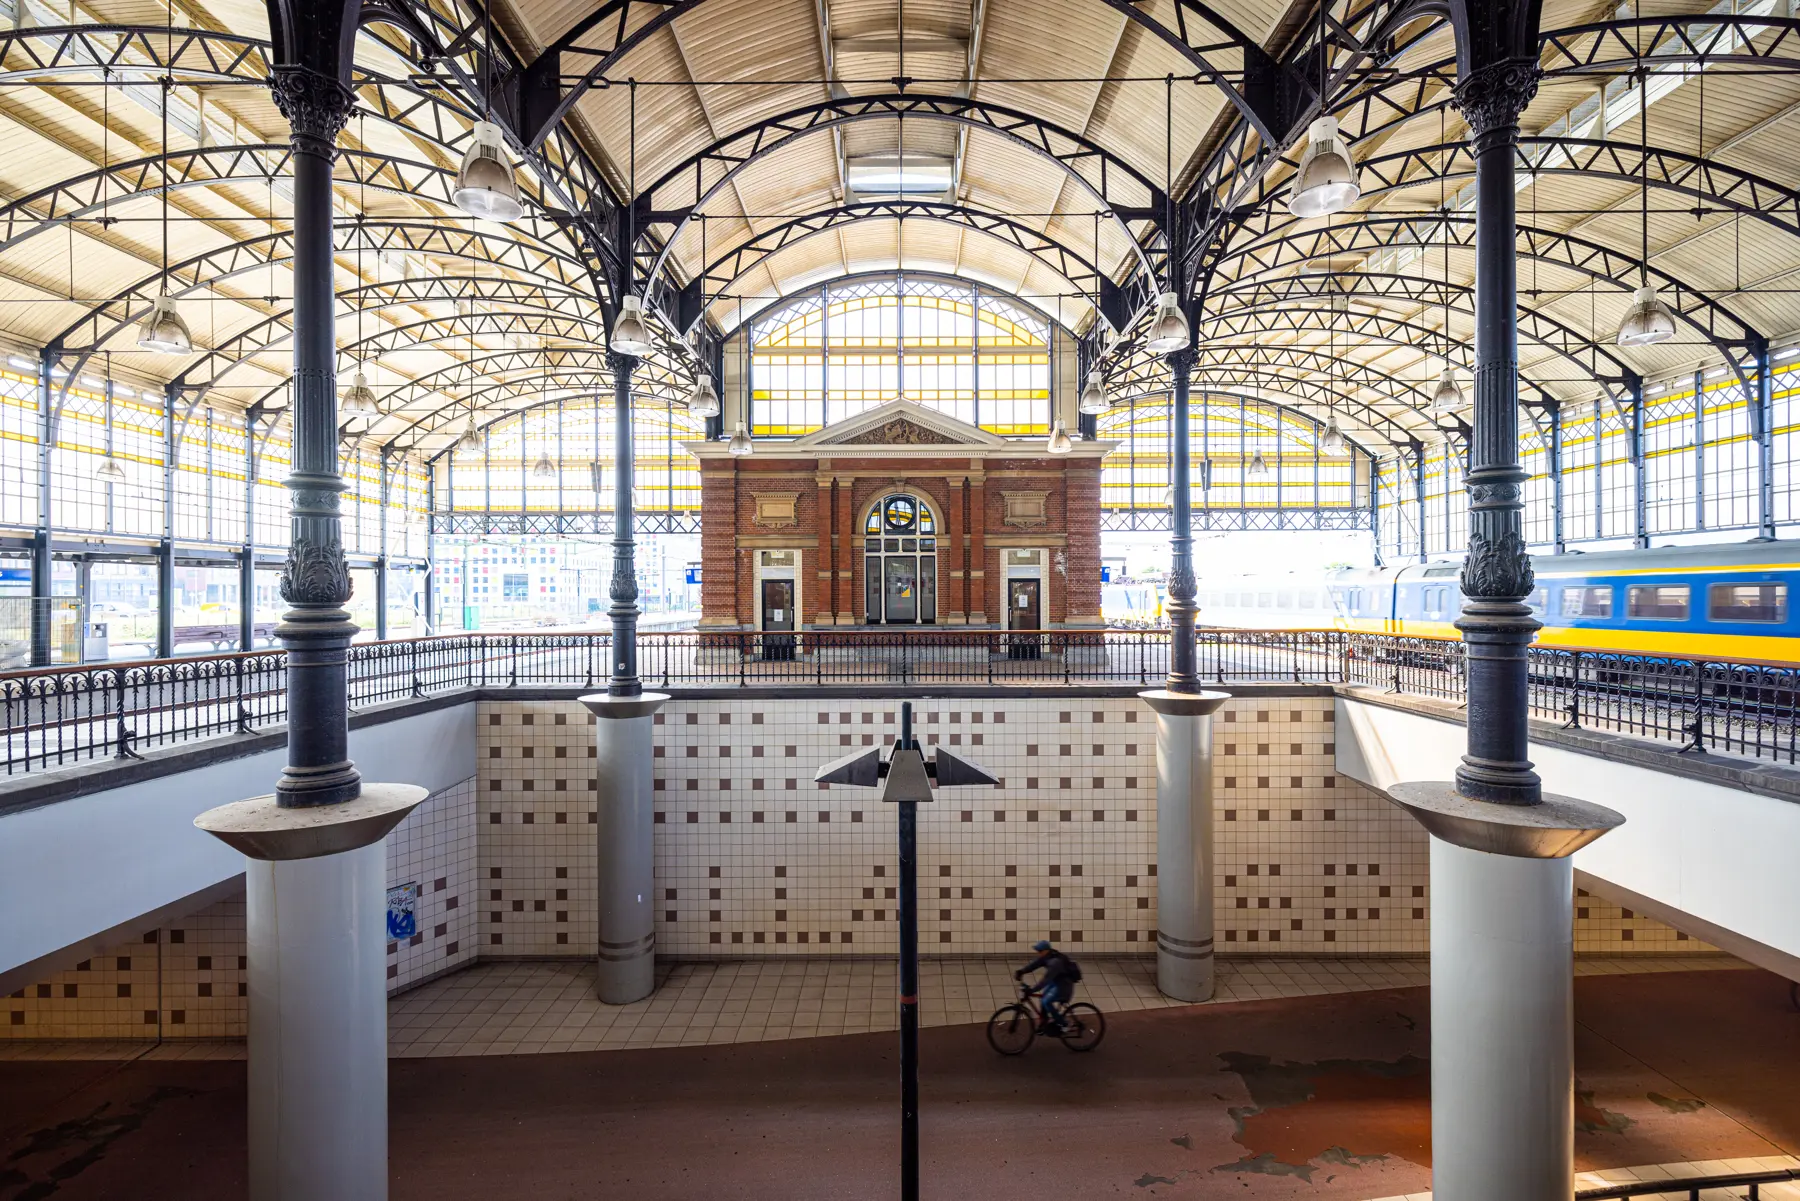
{"points": [[1074, 973]]}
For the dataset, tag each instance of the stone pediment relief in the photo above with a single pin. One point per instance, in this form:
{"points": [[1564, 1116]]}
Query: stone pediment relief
{"points": [[896, 431]]}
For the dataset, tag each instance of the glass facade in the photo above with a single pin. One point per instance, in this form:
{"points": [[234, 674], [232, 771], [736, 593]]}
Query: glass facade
{"points": [[831, 354]]}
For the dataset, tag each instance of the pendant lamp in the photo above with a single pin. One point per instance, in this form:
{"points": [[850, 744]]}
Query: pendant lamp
{"points": [[1169, 327], [1093, 394], [1060, 443], [631, 333], [740, 444], [486, 187], [544, 468], [1331, 442], [1326, 182], [703, 401]]}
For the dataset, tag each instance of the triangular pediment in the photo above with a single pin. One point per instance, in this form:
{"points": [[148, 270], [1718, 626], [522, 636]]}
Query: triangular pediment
{"points": [[900, 423]]}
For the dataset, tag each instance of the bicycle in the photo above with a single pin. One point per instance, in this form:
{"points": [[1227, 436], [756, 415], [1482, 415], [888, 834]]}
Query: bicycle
{"points": [[1014, 1027]]}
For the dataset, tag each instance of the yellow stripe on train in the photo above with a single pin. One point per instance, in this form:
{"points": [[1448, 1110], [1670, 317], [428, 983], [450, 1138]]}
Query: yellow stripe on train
{"points": [[1672, 643]]}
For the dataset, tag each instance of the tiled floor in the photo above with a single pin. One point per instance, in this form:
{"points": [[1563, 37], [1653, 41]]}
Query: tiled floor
{"points": [[1782, 1191], [528, 1007]]}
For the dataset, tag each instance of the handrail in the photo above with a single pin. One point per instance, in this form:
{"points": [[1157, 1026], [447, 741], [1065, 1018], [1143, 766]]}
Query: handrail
{"points": [[55, 716], [1692, 1185]]}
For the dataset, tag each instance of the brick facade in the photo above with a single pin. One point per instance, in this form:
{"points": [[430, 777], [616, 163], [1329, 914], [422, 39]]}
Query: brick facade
{"points": [[990, 496]]}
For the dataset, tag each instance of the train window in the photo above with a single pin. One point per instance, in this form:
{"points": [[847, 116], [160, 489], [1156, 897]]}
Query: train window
{"points": [[1537, 600], [1284, 600], [1747, 602], [1265, 600], [1589, 602], [1658, 602], [1309, 600]]}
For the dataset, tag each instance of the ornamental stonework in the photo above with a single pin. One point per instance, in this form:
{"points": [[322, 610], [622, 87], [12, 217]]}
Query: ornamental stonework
{"points": [[899, 432]]}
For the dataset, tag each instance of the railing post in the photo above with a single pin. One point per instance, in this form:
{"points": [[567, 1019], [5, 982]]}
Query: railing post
{"points": [[512, 680], [742, 657], [124, 736], [418, 685]]}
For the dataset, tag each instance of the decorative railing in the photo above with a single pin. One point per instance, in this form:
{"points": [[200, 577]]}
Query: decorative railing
{"points": [[54, 717]]}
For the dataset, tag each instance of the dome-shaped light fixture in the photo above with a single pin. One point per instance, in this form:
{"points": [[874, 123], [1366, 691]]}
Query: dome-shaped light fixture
{"points": [[470, 443], [109, 471], [1258, 469], [1447, 400], [485, 185], [740, 444], [631, 333], [1326, 182], [1060, 443], [1331, 442], [1169, 327], [1648, 321], [544, 468], [1093, 394], [703, 401], [163, 330], [358, 399]]}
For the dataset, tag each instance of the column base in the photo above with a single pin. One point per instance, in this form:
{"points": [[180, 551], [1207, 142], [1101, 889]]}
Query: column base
{"points": [[624, 843], [1555, 829]]}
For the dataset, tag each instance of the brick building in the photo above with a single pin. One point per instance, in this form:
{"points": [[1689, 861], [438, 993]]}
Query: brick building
{"points": [[900, 516]]}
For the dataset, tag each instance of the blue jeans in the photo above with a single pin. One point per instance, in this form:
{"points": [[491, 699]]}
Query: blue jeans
{"points": [[1054, 997]]}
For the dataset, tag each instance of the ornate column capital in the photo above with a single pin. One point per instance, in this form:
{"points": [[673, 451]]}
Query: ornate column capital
{"points": [[316, 106], [621, 364], [1181, 360], [1492, 97]]}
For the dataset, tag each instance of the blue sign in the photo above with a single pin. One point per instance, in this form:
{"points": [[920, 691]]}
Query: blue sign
{"points": [[15, 575], [1105, 574], [403, 911], [693, 575]]}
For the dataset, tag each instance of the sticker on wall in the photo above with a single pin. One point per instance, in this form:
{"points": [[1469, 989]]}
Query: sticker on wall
{"points": [[403, 911]]}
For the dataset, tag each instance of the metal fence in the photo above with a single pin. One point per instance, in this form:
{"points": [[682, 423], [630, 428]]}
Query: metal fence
{"points": [[59, 716]]}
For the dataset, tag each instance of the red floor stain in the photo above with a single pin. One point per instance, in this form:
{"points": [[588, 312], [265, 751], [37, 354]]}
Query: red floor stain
{"points": [[1353, 1111]]}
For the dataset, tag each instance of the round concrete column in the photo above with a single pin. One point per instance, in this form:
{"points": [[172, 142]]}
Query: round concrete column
{"points": [[625, 844], [316, 921], [1502, 990], [1184, 841]]}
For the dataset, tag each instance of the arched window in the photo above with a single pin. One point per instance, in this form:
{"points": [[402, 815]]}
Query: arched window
{"points": [[900, 561], [848, 346]]}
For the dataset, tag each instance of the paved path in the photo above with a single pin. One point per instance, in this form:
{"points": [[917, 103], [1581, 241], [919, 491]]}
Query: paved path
{"points": [[1317, 1097]]}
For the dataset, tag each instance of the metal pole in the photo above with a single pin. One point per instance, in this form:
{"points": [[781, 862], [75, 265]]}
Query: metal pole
{"points": [[1497, 626], [1559, 539], [909, 980], [624, 610], [1764, 428], [42, 562], [1699, 450], [1640, 522], [1182, 610], [316, 580]]}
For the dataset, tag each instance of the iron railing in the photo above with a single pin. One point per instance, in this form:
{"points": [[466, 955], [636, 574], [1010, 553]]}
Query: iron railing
{"points": [[1745, 1185], [54, 717]]}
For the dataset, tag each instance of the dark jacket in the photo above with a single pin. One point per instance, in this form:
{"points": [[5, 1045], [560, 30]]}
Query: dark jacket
{"points": [[1058, 968]]}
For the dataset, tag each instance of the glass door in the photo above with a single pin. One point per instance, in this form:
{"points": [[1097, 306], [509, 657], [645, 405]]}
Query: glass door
{"points": [[900, 588]]}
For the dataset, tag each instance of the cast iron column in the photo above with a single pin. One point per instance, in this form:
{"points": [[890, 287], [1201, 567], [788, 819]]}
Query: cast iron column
{"points": [[624, 610], [315, 581], [316, 870], [1502, 884], [1182, 672], [1497, 626]]}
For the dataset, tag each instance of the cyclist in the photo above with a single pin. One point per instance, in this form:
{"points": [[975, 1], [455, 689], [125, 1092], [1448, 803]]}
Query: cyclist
{"points": [[1057, 984]]}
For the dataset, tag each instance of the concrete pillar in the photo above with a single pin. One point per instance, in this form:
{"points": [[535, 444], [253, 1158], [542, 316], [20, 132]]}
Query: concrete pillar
{"points": [[1502, 990], [951, 558], [316, 910], [1184, 841], [624, 844], [318, 1025], [824, 587]]}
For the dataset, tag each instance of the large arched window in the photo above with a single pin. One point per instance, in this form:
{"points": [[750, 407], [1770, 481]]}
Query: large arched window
{"points": [[849, 346], [900, 561]]}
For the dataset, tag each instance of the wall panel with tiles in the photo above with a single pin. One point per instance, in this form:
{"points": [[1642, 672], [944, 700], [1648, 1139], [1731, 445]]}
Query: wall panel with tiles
{"points": [[187, 978]]}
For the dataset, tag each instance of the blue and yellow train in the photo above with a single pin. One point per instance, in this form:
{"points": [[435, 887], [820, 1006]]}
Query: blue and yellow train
{"points": [[1726, 601]]}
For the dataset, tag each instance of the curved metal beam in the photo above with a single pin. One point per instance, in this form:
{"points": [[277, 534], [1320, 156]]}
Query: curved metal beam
{"points": [[735, 151], [728, 267], [275, 330], [1265, 93], [1267, 253]]}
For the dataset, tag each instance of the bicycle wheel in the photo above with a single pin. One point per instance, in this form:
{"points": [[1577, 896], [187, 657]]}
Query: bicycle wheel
{"points": [[1011, 1029], [1083, 1026]]}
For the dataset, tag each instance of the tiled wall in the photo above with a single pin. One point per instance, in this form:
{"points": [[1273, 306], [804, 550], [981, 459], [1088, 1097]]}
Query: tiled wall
{"points": [[753, 858], [187, 979]]}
